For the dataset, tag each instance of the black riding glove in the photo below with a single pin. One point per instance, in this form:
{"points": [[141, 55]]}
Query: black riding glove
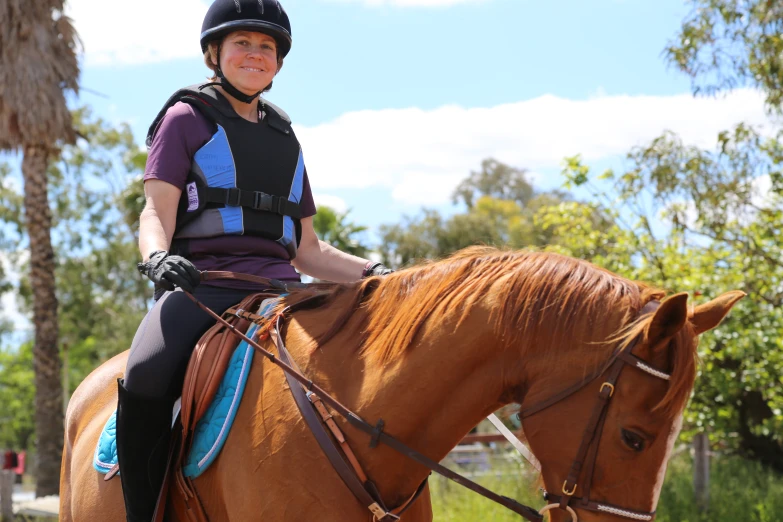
{"points": [[377, 269], [169, 271]]}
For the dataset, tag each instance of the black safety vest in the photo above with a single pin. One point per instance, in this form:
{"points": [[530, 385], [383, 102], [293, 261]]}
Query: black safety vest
{"points": [[247, 179]]}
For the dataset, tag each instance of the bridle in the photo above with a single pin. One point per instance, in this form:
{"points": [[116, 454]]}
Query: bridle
{"points": [[588, 448], [366, 491]]}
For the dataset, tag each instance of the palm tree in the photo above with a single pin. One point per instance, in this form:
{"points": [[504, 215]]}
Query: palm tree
{"points": [[38, 63], [334, 228]]}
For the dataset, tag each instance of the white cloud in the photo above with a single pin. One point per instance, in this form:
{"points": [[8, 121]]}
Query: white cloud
{"points": [[420, 156], [148, 31], [762, 191], [336, 203], [142, 31]]}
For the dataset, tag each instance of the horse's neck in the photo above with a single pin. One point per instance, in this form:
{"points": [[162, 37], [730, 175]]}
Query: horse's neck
{"points": [[429, 397]]}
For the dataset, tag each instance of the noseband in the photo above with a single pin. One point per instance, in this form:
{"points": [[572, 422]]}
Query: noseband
{"points": [[588, 449]]}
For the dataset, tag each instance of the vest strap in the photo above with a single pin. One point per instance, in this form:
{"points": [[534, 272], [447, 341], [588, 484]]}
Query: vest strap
{"points": [[235, 197]]}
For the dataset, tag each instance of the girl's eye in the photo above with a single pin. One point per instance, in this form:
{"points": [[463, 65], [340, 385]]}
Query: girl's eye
{"points": [[632, 440]]}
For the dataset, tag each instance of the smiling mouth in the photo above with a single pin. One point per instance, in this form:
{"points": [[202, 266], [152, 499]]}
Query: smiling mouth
{"points": [[252, 69]]}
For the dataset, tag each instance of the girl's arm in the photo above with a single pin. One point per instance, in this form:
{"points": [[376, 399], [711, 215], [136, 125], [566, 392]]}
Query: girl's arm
{"points": [[322, 261]]}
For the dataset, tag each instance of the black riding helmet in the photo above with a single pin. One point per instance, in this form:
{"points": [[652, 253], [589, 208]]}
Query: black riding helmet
{"points": [[262, 16]]}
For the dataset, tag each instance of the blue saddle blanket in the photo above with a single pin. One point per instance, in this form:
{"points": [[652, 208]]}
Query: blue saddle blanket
{"points": [[212, 430]]}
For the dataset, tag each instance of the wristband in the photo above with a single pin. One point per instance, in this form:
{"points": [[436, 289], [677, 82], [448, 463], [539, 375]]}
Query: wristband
{"points": [[144, 266], [367, 267], [155, 252]]}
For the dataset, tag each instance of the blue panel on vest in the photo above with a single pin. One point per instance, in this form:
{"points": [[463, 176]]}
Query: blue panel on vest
{"points": [[216, 161], [232, 220], [298, 182], [288, 231], [297, 186]]}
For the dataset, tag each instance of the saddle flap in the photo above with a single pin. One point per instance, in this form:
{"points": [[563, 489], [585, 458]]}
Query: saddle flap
{"points": [[209, 361], [206, 368]]}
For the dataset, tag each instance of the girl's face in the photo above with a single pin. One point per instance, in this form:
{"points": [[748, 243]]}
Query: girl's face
{"points": [[249, 60]]}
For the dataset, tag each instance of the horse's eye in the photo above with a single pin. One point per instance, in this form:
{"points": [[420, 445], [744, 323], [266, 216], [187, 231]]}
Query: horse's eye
{"points": [[632, 440]]}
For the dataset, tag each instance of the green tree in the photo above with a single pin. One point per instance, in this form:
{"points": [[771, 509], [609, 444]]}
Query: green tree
{"points": [[496, 180], [38, 56], [724, 207], [501, 204], [17, 392], [724, 44], [101, 298], [703, 221], [334, 228]]}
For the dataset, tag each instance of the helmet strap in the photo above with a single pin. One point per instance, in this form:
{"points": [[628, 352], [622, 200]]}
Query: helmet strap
{"points": [[233, 91], [230, 89]]}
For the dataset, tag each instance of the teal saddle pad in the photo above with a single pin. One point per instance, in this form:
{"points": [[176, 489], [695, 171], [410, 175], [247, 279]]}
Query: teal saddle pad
{"points": [[213, 428]]}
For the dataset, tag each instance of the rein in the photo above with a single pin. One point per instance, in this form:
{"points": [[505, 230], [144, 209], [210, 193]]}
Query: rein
{"points": [[587, 449]]}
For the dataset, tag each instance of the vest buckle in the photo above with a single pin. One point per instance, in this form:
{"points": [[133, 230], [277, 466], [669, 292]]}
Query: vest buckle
{"points": [[263, 201], [232, 197]]}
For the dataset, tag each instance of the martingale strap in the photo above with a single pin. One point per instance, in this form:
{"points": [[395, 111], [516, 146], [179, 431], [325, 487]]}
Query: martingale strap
{"points": [[379, 436], [363, 490]]}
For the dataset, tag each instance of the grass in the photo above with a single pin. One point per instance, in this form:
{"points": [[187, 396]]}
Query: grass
{"points": [[740, 490]]}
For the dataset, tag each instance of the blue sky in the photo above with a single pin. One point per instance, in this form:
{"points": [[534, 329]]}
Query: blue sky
{"points": [[350, 56], [396, 101]]}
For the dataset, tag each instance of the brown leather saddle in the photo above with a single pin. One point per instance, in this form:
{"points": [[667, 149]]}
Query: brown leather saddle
{"points": [[205, 372]]}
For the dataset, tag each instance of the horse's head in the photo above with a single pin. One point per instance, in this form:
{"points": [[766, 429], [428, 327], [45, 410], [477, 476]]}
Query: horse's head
{"points": [[604, 448]]}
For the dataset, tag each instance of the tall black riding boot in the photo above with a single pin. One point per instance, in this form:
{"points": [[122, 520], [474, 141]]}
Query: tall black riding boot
{"points": [[143, 436]]}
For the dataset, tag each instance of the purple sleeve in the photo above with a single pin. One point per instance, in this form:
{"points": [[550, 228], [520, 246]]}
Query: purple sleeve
{"points": [[180, 133], [307, 205]]}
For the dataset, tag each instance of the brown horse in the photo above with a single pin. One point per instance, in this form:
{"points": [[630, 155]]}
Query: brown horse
{"points": [[433, 350]]}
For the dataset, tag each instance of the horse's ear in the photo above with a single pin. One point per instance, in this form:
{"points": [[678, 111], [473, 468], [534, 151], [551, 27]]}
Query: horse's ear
{"points": [[669, 318], [708, 315], [368, 287]]}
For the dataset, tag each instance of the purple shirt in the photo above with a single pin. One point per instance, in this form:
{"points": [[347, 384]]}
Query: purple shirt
{"points": [[180, 134]]}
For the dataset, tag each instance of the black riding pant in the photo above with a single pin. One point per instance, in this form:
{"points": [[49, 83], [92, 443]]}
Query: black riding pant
{"points": [[166, 337]]}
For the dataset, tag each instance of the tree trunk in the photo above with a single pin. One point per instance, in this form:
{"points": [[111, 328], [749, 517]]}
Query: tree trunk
{"points": [[701, 470], [6, 495], [46, 356]]}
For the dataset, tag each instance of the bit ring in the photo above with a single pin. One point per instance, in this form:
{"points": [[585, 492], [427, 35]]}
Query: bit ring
{"points": [[554, 506]]}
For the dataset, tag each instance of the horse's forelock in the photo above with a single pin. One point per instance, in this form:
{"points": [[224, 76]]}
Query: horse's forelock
{"points": [[682, 357]]}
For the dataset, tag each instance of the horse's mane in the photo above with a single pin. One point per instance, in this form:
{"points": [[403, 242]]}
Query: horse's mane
{"points": [[535, 291]]}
